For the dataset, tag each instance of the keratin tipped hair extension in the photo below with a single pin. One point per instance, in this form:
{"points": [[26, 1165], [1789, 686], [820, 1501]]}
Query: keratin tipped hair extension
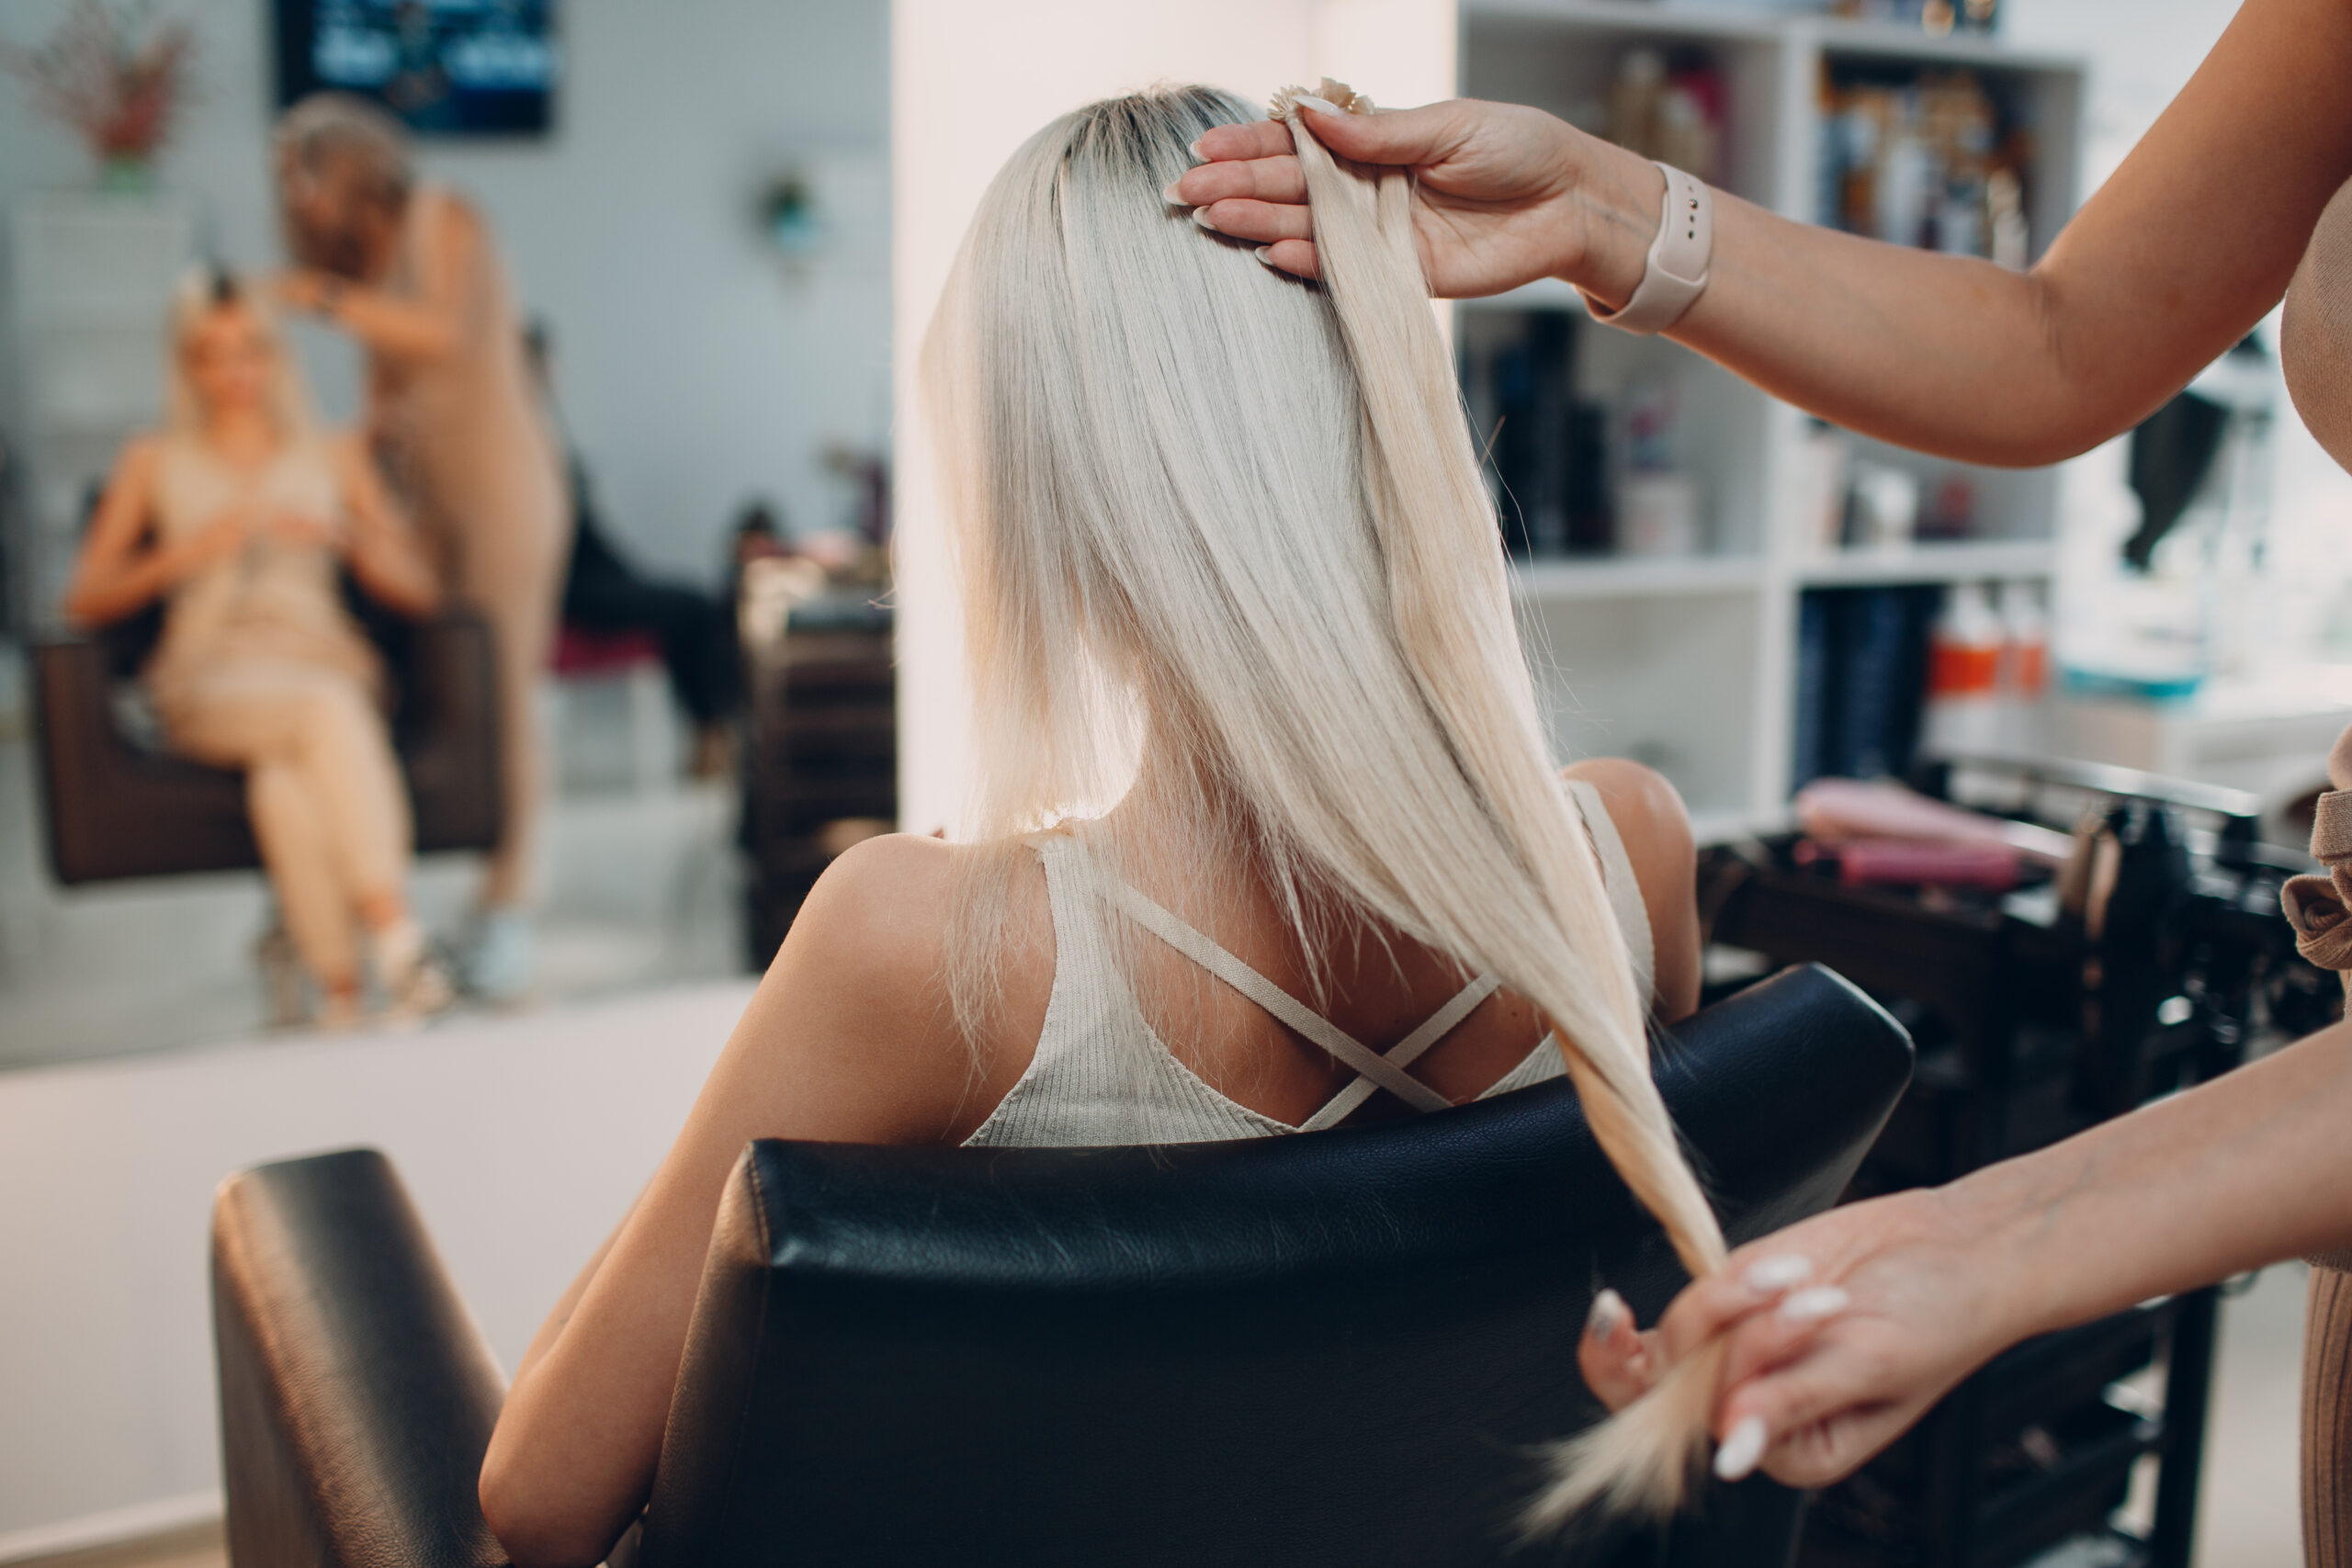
{"points": [[1206, 510], [1435, 522]]}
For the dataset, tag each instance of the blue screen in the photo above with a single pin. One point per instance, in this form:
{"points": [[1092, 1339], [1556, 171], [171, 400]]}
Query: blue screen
{"points": [[445, 67]]}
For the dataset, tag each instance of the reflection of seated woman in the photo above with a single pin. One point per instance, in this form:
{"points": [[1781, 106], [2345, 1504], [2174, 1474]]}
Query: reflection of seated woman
{"points": [[1231, 564], [239, 513]]}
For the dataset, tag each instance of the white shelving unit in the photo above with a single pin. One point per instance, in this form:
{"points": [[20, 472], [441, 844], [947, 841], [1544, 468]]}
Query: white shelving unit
{"points": [[1687, 662], [92, 279]]}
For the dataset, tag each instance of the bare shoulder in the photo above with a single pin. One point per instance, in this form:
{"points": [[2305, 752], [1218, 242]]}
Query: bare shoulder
{"points": [[852, 1024], [1649, 815], [1647, 810], [140, 455], [881, 905], [453, 221]]}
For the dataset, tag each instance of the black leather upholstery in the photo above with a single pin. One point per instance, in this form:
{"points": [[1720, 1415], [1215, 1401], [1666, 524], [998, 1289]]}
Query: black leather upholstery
{"points": [[357, 1395], [1335, 1348], [116, 811]]}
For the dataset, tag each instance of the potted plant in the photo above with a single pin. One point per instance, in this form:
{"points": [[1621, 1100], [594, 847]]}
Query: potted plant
{"points": [[119, 82]]}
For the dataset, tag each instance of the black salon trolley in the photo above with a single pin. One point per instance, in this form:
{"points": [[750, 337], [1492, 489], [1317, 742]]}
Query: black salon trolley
{"points": [[2035, 1020]]}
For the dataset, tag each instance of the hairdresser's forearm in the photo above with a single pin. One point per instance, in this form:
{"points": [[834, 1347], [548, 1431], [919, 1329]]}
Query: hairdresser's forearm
{"points": [[395, 328], [2174, 258], [1944, 353], [2250, 1169]]}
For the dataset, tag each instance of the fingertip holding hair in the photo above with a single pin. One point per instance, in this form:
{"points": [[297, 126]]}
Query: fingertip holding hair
{"points": [[1643, 1460]]}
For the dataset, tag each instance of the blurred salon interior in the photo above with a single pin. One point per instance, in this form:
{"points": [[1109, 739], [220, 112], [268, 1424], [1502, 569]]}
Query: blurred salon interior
{"points": [[506, 506]]}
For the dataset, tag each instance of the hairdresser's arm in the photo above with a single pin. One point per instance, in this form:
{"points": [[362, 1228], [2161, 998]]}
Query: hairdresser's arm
{"points": [[2174, 259], [382, 549], [846, 1040], [2250, 1169], [116, 574], [419, 328]]}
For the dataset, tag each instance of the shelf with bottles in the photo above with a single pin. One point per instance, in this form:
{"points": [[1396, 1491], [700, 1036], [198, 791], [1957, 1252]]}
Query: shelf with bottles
{"points": [[1861, 511], [1605, 449], [1886, 670], [1950, 561], [1605, 577], [1699, 92], [1951, 145]]}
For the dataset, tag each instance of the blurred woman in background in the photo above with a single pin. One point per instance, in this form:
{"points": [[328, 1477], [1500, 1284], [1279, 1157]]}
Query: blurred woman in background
{"points": [[413, 273], [239, 513]]}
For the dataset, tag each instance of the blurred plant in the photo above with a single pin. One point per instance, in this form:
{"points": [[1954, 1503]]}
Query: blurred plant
{"points": [[118, 81]]}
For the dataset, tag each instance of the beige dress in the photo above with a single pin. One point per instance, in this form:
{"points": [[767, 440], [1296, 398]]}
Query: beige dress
{"points": [[261, 668], [2315, 352], [468, 447]]}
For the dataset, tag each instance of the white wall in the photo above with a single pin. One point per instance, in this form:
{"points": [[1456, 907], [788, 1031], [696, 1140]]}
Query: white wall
{"points": [[694, 372], [522, 1140], [967, 86]]}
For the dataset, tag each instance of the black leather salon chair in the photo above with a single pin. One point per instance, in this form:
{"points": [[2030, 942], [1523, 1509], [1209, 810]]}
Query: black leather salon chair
{"points": [[116, 809], [1335, 1349]]}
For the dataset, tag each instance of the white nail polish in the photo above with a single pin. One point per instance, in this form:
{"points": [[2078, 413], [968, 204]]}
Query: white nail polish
{"points": [[1169, 196], [1609, 1309], [1768, 1275], [1195, 149], [1821, 1300], [1201, 217], [1320, 105], [1265, 254], [1735, 1459]]}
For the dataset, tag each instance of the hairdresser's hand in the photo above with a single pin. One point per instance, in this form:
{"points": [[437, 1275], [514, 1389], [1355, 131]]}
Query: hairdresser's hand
{"points": [[1832, 1359], [1506, 195], [224, 536], [308, 291], [301, 531]]}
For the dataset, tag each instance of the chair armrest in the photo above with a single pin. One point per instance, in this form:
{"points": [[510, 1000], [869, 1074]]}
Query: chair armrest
{"points": [[357, 1393], [112, 810]]}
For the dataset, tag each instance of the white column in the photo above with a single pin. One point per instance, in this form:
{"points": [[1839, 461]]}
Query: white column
{"points": [[969, 83]]}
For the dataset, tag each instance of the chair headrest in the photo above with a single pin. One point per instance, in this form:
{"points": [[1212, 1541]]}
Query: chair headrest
{"points": [[1768, 1088]]}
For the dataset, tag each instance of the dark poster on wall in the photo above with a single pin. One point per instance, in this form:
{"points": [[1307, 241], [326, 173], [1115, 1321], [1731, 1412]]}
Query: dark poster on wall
{"points": [[445, 67]]}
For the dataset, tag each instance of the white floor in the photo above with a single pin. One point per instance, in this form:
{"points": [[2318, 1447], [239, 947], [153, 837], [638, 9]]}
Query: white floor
{"points": [[2248, 1513], [638, 889]]}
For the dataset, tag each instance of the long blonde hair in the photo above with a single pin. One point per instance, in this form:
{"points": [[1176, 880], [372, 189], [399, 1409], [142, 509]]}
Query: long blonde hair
{"points": [[199, 293], [1198, 502]]}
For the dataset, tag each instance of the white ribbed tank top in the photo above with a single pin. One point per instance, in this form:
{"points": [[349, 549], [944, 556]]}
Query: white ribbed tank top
{"points": [[1101, 1075]]}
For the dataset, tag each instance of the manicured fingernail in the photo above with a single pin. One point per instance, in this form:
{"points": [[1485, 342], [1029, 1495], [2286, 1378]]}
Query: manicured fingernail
{"points": [[1320, 105], [1198, 156], [1735, 1458], [1201, 217], [1821, 1300], [1266, 254], [1608, 1310], [1769, 1275], [1174, 197]]}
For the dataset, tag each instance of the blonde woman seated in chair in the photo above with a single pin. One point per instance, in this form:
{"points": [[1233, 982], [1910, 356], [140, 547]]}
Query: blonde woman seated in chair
{"points": [[238, 515], [1229, 568]]}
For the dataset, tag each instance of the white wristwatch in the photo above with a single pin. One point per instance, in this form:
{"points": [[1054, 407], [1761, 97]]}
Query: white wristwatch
{"points": [[1675, 273]]}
